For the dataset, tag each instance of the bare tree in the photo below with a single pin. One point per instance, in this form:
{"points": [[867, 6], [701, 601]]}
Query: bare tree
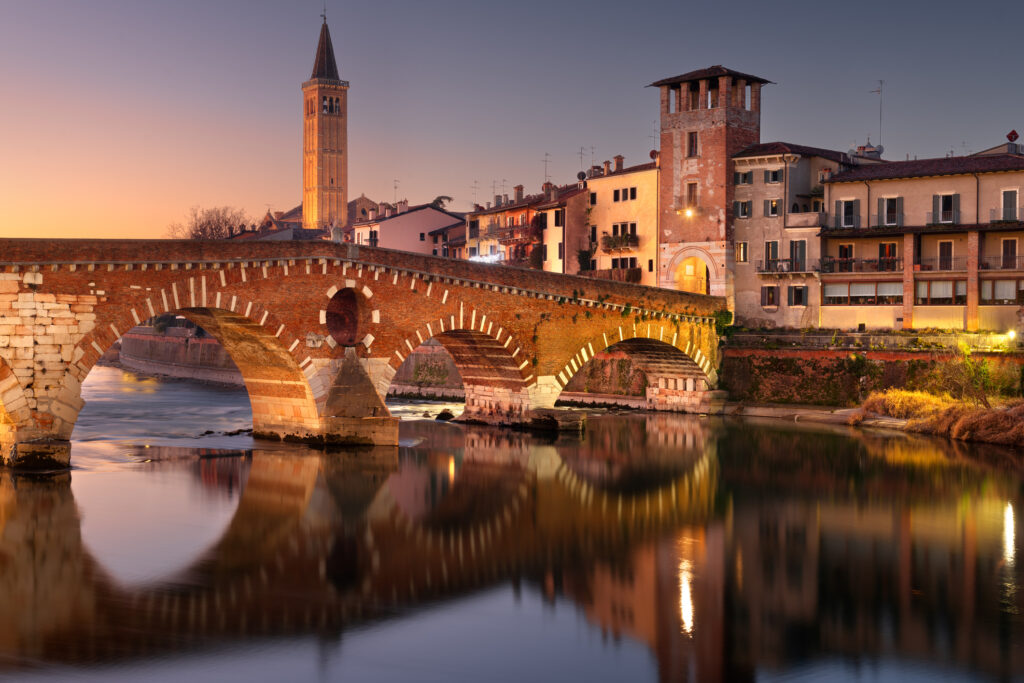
{"points": [[215, 223], [440, 201]]}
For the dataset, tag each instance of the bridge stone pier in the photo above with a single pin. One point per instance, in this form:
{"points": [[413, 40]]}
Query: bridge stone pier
{"points": [[319, 329]]}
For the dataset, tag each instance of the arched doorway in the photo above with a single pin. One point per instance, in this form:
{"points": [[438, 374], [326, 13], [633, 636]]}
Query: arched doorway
{"points": [[693, 275]]}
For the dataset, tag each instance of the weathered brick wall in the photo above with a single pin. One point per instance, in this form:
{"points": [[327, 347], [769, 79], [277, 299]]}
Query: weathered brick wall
{"points": [[831, 377], [521, 331]]}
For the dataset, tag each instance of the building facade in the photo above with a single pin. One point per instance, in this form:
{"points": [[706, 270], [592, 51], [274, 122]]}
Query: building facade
{"points": [[925, 243], [777, 215], [324, 141], [405, 228]]}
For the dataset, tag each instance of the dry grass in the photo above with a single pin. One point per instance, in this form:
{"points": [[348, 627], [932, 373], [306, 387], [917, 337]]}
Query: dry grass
{"points": [[906, 405], [944, 416]]}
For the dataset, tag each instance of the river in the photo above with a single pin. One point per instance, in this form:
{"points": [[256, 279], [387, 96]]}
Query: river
{"points": [[655, 548]]}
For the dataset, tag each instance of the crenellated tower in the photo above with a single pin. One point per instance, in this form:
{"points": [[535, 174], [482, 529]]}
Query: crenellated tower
{"points": [[324, 141]]}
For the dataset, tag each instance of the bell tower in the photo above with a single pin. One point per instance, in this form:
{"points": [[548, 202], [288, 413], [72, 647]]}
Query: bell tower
{"points": [[324, 141]]}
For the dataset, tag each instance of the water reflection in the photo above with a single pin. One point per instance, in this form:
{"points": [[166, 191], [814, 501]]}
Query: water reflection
{"points": [[727, 551]]}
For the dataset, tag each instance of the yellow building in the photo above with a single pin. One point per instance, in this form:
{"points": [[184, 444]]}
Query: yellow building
{"points": [[622, 222]]}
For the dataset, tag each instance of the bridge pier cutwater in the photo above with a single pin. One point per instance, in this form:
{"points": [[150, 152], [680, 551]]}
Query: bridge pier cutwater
{"points": [[318, 330]]}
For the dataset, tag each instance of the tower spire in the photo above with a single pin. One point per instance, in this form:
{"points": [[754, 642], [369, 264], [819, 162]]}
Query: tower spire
{"points": [[324, 65]]}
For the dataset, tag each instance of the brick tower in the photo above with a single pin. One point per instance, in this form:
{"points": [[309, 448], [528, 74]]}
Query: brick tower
{"points": [[324, 141], [707, 116]]}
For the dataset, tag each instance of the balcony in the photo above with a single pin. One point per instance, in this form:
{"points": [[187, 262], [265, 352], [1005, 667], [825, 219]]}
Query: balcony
{"points": [[616, 274], [952, 263], [887, 220], [861, 265], [1007, 214], [515, 233], [806, 219], [611, 243], [1005, 262], [784, 265], [949, 216], [845, 222]]}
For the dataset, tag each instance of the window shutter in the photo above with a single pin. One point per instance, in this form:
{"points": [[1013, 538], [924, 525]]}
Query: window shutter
{"points": [[839, 213], [764, 295], [749, 208], [766, 207], [936, 207], [767, 176], [899, 211], [881, 212], [956, 208], [856, 213], [735, 209], [735, 178], [789, 296]]}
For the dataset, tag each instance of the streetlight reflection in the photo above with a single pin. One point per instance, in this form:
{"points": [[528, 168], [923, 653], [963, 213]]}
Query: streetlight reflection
{"points": [[686, 595]]}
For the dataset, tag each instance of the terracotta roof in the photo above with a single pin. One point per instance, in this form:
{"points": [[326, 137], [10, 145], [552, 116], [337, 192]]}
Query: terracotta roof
{"points": [[629, 169], [446, 228], [324, 65], [419, 207], [710, 72], [920, 168], [772, 148], [562, 197]]}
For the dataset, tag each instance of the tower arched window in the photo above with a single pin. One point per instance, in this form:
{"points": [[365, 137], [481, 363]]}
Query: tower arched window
{"points": [[326, 105]]}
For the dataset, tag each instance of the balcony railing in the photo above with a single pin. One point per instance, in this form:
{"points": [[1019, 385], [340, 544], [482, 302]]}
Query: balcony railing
{"points": [[515, 233], [619, 242], [1007, 214], [805, 219], [861, 265], [949, 216], [887, 220], [1004, 262], [942, 264], [784, 265], [617, 274], [840, 222]]}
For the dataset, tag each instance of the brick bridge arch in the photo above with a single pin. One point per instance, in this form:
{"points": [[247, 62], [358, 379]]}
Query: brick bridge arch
{"points": [[67, 301]]}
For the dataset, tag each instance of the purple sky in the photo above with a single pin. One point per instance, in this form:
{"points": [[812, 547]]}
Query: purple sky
{"points": [[117, 115]]}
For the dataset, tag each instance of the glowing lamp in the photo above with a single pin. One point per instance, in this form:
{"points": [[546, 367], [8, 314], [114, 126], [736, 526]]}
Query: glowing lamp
{"points": [[1012, 334], [688, 212]]}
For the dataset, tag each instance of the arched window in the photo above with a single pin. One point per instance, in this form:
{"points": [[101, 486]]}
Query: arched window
{"points": [[796, 208], [326, 105]]}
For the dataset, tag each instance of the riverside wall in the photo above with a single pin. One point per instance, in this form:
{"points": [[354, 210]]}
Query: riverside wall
{"points": [[178, 352]]}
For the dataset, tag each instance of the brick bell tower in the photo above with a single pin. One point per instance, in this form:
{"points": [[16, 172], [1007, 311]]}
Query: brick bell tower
{"points": [[324, 141], [707, 116]]}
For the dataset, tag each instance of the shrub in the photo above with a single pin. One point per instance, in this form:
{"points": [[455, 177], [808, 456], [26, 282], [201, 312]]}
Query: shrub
{"points": [[906, 405]]}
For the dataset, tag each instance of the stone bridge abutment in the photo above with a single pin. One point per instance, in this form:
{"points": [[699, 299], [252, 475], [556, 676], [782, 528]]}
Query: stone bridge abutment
{"points": [[317, 330]]}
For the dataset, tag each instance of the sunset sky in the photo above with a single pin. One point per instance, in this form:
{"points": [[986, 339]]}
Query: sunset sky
{"points": [[118, 115]]}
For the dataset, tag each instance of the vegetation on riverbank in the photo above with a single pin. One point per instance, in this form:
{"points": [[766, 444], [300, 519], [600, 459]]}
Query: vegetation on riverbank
{"points": [[963, 398]]}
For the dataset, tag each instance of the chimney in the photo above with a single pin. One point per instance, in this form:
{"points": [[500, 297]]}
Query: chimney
{"points": [[403, 206], [552, 192], [504, 199], [607, 167], [497, 200], [545, 187], [231, 231], [518, 189], [488, 205], [477, 207], [618, 161]]}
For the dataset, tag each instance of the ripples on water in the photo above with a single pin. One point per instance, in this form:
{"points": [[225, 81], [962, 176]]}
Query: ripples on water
{"points": [[658, 547]]}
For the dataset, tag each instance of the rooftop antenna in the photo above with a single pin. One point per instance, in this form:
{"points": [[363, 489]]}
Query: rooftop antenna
{"points": [[547, 158], [656, 136], [503, 181], [881, 84], [394, 198], [475, 186], [591, 155], [580, 155], [324, 15], [494, 187]]}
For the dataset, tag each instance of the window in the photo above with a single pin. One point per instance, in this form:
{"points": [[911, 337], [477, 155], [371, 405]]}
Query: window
{"points": [[1009, 212], [941, 293], [835, 294], [771, 254], [691, 144], [561, 250], [1001, 291], [889, 293], [769, 296], [593, 198], [422, 237], [559, 218], [862, 293], [741, 252], [890, 211], [1009, 259], [593, 264], [435, 252], [945, 255], [742, 209], [798, 256], [544, 252], [510, 221], [615, 196], [593, 234], [632, 193], [743, 178], [691, 194], [474, 229], [435, 238], [945, 208], [472, 251], [844, 263], [848, 213], [771, 207], [888, 261], [773, 176], [797, 296], [650, 265]]}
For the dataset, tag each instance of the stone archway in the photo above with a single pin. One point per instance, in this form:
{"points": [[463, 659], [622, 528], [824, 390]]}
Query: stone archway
{"points": [[693, 275]]}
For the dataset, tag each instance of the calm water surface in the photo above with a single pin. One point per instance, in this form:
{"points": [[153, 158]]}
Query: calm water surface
{"points": [[656, 548]]}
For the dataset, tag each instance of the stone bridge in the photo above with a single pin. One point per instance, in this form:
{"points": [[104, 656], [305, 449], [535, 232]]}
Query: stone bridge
{"points": [[319, 329]]}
